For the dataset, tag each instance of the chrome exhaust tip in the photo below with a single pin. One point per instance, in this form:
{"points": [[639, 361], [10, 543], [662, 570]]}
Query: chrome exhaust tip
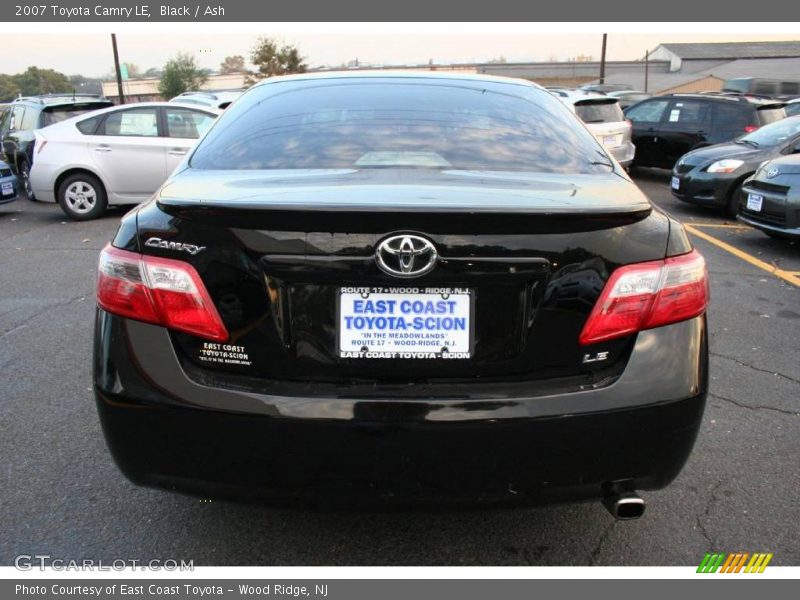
{"points": [[625, 506]]}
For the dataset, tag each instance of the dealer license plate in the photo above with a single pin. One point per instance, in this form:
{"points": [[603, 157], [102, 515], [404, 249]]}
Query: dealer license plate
{"points": [[403, 323], [754, 202], [610, 140]]}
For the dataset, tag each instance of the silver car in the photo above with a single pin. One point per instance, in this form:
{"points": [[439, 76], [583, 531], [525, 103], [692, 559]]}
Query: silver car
{"points": [[603, 116], [118, 155]]}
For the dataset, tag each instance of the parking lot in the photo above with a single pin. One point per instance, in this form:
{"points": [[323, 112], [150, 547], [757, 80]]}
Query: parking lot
{"points": [[64, 497]]}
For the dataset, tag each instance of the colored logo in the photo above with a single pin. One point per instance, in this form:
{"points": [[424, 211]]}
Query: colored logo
{"points": [[737, 562]]}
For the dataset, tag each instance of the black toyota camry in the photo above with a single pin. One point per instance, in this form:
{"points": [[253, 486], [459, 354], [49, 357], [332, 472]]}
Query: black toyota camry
{"points": [[401, 288]]}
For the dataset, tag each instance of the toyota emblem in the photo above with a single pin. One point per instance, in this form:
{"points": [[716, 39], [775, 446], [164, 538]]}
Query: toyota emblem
{"points": [[772, 172], [406, 255]]}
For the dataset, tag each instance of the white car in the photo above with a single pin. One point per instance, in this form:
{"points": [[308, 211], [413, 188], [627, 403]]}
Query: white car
{"points": [[117, 155], [603, 117]]}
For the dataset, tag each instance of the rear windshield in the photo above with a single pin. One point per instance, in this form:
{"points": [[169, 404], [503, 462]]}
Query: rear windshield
{"points": [[599, 112], [770, 115], [399, 124], [62, 113]]}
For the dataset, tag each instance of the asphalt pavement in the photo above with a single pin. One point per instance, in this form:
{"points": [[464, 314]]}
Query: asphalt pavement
{"points": [[61, 495]]}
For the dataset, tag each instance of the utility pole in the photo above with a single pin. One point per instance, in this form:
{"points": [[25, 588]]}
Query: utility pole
{"points": [[646, 69], [603, 60], [116, 68]]}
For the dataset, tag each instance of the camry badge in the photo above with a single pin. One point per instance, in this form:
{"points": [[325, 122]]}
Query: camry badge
{"points": [[406, 255], [192, 249], [772, 172]]}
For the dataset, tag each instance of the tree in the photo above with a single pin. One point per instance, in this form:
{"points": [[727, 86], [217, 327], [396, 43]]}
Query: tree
{"points": [[232, 64], [153, 72], [36, 81], [8, 88], [180, 75], [86, 85], [273, 58]]}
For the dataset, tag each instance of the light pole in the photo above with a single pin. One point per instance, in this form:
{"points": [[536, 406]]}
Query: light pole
{"points": [[116, 68], [603, 60]]}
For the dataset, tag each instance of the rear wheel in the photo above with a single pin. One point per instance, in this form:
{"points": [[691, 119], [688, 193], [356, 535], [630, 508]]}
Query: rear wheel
{"points": [[82, 197], [25, 176]]}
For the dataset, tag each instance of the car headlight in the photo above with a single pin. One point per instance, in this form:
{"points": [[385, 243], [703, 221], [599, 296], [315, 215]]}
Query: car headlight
{"points": [[728, 165]]}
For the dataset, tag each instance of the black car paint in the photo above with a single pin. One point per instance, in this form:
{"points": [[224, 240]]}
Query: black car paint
{"points": [[528, 418], [698, 186], [660, 144], [780, 211]]}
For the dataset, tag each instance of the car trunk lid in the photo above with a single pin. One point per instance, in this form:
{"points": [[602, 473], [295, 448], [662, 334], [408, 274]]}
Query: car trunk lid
{"points": [[531, 252]]}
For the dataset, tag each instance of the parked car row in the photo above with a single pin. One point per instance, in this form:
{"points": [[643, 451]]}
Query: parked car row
{"points": [[85, 153], [714, 175], [725, 151], [25, 115], [667, 127]]}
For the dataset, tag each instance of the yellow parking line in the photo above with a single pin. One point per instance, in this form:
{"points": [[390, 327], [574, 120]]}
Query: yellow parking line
{"points": [[721, 225], [788, 276]]}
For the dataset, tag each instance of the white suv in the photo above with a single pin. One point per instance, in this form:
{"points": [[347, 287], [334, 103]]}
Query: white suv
{"points": [[603, 116]]}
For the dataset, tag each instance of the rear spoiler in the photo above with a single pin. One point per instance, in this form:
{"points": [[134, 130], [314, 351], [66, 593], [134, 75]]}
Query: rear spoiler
{"points": [[598, 100]]}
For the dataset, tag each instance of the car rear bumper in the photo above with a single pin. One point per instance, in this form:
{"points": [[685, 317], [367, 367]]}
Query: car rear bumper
{"points": [[624, 153], [166, 430], [42, 181]]}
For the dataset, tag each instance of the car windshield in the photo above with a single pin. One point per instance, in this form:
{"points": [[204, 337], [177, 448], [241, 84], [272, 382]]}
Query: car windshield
{"points": [[774, 133], [360, 124]]}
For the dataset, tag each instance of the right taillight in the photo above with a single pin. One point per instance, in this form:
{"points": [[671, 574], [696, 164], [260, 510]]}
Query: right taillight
{"points": [[157, 290], [646, 295]]}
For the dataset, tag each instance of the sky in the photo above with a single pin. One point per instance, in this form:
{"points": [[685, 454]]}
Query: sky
{"points": [[90, 54]]}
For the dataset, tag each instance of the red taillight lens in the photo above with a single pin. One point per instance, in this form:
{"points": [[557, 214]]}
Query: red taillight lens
{"points": [[750, 128], [157, 290], [646, 295]]}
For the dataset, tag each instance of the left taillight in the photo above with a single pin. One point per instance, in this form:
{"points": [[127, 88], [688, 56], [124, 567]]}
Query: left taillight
{"points": [[157, 290], [646, 295]]}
